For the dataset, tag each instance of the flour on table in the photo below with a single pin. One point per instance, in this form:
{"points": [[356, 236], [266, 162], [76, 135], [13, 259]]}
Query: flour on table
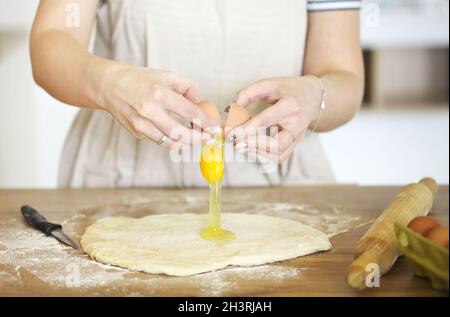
{"points": [[170, 243], [28, 256], [31, 263]]}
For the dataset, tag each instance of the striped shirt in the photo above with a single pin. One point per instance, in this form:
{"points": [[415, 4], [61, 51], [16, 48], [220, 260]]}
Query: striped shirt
{"points": [[331, 5]]}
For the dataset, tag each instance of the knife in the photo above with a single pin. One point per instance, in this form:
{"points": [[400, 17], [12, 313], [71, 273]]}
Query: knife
{"points": [[37, 221]]}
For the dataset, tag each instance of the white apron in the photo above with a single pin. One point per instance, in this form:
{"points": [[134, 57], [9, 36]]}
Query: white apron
{"points": [[224, 45]]}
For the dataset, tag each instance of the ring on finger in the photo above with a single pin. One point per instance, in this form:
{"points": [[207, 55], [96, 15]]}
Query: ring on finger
{"points": [[291, 135], [163, 140]]}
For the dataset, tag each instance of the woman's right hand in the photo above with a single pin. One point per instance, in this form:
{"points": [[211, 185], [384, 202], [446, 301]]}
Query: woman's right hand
{"points": [[140, 99]]}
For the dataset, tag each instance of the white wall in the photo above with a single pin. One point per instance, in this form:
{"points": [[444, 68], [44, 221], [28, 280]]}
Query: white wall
{"points": [[17, 14], [391, 147], [32, 124]]}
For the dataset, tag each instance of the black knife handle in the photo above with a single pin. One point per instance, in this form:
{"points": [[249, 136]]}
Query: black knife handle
{"points": [[37, 221]]}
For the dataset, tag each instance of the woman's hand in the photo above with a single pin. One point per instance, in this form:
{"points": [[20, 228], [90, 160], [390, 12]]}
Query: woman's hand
{"points": [[141, 99], [333, 52], [294, 105]]}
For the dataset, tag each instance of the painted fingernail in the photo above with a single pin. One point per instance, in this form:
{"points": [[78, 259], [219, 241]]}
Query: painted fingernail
{"points": [[206, 136], [231, 138], [243, 150], [217, 131]]}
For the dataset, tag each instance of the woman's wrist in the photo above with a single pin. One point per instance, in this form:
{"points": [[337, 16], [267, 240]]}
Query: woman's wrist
{"points": [[102, 74], [316, 99]]}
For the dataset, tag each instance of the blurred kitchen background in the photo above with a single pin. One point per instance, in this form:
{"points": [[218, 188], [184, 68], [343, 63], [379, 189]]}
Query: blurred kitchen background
{"points": [[400, 135]]}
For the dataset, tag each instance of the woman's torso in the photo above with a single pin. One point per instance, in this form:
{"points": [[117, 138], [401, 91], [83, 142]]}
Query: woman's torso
{"points": [[223, 45]]}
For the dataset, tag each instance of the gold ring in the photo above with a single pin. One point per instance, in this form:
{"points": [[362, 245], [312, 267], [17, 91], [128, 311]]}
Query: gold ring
{"points": [[294, 139], [163, 140]]}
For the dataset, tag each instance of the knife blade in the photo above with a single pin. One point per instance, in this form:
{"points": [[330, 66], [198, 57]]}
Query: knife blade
{"points": [[37, 221]]}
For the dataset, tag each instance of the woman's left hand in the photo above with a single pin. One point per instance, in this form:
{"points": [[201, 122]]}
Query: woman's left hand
{"points": [[294, 105]]}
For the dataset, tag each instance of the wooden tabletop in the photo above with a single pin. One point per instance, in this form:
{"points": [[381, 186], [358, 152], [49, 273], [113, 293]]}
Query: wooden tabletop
{"points": [[320, 274]]}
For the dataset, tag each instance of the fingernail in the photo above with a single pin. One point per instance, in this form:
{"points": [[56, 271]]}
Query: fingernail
{"points": [[206, 136], [231, 138], [241, 145], [217, 131], [243, 149]]}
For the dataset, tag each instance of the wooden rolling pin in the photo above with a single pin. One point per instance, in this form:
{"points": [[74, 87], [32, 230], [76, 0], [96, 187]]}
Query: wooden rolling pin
{"points": [[379, 243]]}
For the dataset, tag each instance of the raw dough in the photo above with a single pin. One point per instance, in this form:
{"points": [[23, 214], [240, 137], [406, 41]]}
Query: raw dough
{"points": [[170, 243]]}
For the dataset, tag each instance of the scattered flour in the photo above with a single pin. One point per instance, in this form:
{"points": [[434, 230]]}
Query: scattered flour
{"points": [[32, 258], [31, 263]]}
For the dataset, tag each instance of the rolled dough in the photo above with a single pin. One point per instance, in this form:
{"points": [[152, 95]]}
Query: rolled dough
{"points": [[170, 243]]}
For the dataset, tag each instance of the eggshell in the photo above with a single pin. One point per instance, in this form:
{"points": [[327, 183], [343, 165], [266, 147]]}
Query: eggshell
{"points": [[423, 224], [237, 115], [439, 235], [210, 109]]}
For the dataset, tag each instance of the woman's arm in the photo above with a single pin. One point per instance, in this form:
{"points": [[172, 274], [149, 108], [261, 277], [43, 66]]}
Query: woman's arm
{"points": [[333, 53], [140, 99], [60, 60], [333, 56]]}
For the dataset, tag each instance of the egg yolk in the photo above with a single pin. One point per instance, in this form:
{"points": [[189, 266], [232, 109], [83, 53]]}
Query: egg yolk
{"points": [[212, 167], [211, 161]]}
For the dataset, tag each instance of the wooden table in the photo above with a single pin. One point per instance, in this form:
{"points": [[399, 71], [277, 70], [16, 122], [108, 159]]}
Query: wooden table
{"points": [[321, 275]]}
